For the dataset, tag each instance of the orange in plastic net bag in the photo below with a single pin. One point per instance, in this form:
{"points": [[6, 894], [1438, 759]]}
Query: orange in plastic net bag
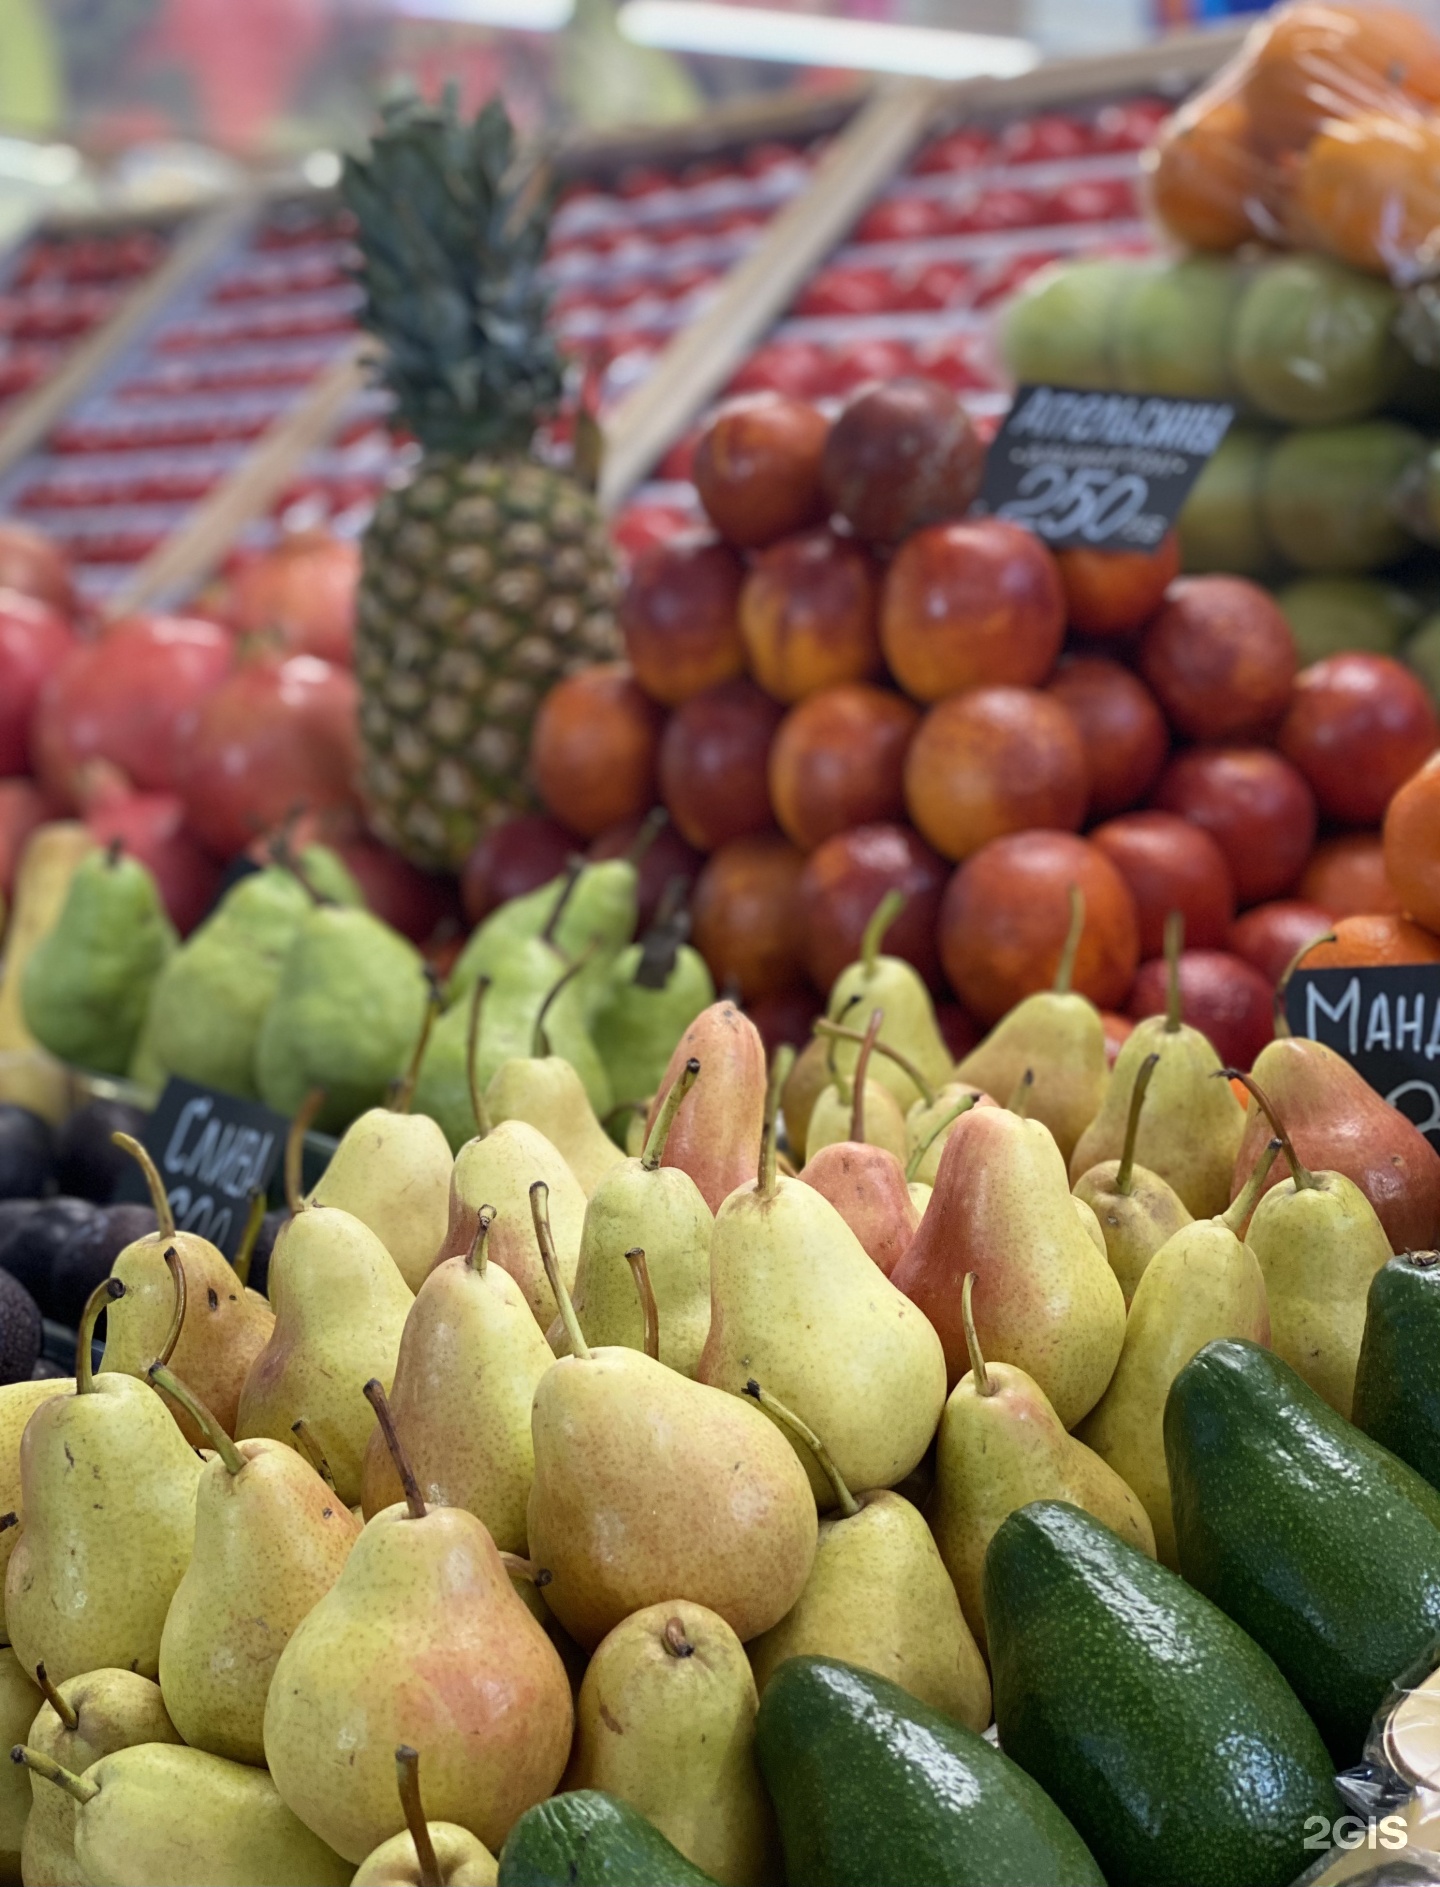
{"points": [[1311, 64], [1207, 184], [1369, 192]]}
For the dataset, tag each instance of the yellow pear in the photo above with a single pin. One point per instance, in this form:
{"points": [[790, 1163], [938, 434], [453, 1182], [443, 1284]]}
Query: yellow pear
{"points": [[835, 1116], [803, 1086], [546, 1091], [497, 1169], [20, 1700], [29, 1075], [392, 1171], [471, 1358], [910, 1029], [18, 1402], [665, 1720], [879, 1597], [1001, 1446], [428, 1853], [1202, 1284], [1136, 1209]]}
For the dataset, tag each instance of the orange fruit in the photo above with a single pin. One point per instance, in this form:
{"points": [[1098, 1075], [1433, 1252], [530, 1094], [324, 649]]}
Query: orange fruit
{"points": [[1368, 191], [1206, 181], [1412, 844], [1363, 941], [1346, 877], [1313, 64]]}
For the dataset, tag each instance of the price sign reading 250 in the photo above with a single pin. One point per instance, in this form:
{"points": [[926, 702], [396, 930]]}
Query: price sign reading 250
{"points": [[1107, 471], [1092, 503]]}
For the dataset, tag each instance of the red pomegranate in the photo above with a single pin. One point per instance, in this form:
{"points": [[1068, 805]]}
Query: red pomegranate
{"points": [[304, 590], [131, 699], [34, 640], [280, 733], [36, 566]]}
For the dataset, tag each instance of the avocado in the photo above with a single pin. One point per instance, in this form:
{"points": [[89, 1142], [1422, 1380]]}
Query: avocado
{"points": [[1397, 1380], [871, 1786], [1220, 526], [1313, 342], [1323, 1545], [27, 1153], [20, 1330], [85, 1260], [589, 1839], [88, 1164], [1168, 1737], [1329, 497]]}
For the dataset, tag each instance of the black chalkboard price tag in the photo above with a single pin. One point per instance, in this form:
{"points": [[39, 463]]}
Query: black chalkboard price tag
{"points": [[1386, 1023], [213, 1152], [1102, 471]]}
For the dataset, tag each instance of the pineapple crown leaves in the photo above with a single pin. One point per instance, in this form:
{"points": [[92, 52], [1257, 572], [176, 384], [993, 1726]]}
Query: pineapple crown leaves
{"points": [[452, 230]]}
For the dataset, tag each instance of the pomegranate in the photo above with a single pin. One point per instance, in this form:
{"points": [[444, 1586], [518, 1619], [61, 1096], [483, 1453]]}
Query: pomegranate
{"points": [[281, 732], [151, 827], [34, 641], [414, 902], [31, 563], [129, 698], [305, 590]]}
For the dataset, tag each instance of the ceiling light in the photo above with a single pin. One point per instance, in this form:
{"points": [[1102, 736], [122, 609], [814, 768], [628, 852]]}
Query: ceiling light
{"points": [[521, 16], [811, 39]]}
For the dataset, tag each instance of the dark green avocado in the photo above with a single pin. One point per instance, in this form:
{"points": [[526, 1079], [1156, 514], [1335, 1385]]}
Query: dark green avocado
{"points": [[589, 1839], [1397, 1381]]}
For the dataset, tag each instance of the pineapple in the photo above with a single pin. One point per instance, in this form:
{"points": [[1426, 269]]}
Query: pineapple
{"points": [[490, 574]]}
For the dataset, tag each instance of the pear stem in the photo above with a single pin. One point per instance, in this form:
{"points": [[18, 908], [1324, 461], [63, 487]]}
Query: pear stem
{"points": [[913, 1164], [862, 1071], [1125, 1172], [374, 1393], [836, 1032], [475, 1257], [787, 1418], [103, 1294], [81, 1787], [245, 1255], [781, 1063], [519, 1567], [983, 1384], [1019, 1102], [405, 1088], [540, 1213], [1304, 1178], [540, 1041], [201, 1416], [1282, 1021], [63, 1709], [159, 1198], [1065, 968], [295, 1146], [881, 918], [674, 1640], [1174, 944], [649, 1309], [310, 1448], [665, 1119], [651, 826], [182, 1300], [407, 1767], [573, 870], [1248, 1197], [472, 1045]]}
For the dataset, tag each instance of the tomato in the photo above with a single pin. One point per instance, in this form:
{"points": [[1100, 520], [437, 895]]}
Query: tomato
{"points": [[798, 368], [1044, 139], [962, 150], [1097, 200], [937, 285], [900, 219], [846, 291]]}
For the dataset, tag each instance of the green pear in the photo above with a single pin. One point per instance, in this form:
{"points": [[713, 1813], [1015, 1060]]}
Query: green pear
{"points": [[428, 1853], [80, 1721], [1001, 1446], [340, 1306], [879, 1597], [1059, 1034], [1192, 1125], [1319, 1244], [797, 1302], [804, 1085], [1203, 1284], [653, 992], [20, 1700], [658, 1210], [870, 1117], [471, 1357], [108, 1485], [172, 1817], [87, 984], [928, 1125], [421, 1641], [1046, 1300], [1136, 1210], [18, 1402], [350, 1002], [891, 984], [270, 1540], [210, 998], [223, 1327], [665, 1720], [546, 1091], [392, 1171], [649, 1487], [324, 872]]}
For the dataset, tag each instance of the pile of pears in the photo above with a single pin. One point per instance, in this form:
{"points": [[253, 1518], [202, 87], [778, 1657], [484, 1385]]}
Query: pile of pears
{"points": [[542, 1456]]}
